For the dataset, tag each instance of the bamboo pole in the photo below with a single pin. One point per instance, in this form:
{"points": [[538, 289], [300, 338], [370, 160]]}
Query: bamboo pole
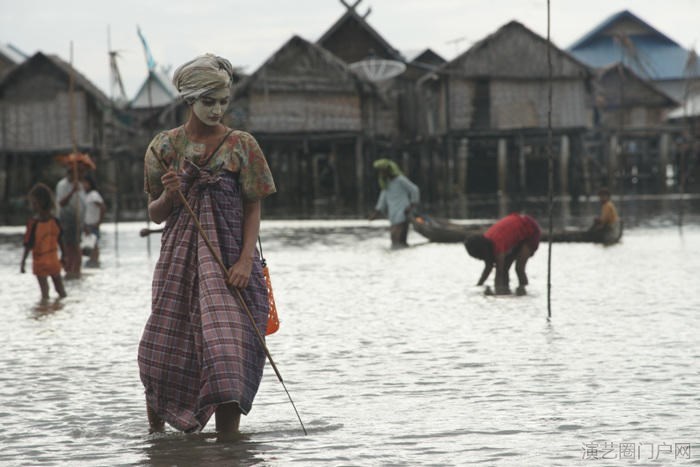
{"points": [[74, 151], [550, 167]]}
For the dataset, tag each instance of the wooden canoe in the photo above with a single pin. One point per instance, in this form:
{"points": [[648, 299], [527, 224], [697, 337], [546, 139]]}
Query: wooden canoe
{"points": [[608, 236], [440, 230], [443, 231]]}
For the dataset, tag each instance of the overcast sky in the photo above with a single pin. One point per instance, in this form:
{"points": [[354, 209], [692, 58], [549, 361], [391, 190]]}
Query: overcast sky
{"points": [[248, 32]]}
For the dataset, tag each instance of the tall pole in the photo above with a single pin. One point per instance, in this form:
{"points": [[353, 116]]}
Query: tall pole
{"points": [[150, 115], [71, 104], [116, 80], [74, 153], [691, 67], [550, 167]]}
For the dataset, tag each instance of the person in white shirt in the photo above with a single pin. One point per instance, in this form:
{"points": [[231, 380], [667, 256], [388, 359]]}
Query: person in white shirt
{"points": [[94, 214], [70, 210]]}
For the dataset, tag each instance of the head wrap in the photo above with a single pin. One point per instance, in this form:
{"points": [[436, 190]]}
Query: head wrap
{"points": [[202, 75], [386, 167]]}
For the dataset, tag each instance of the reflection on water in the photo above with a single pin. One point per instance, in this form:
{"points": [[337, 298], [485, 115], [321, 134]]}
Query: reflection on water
{"points": [[392, 357]]}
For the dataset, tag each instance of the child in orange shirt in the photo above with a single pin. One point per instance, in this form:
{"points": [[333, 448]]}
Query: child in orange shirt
{"points": [[43, 238]]}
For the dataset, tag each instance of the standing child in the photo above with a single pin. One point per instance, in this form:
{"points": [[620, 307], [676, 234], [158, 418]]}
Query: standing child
{"points": [[43, 238], [94, 214]]}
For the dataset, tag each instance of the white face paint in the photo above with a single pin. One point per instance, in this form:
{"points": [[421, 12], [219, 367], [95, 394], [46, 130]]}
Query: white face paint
{"points": [[210, 108]]}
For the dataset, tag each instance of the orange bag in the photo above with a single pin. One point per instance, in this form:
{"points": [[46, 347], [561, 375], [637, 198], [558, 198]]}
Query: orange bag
{"points": [[273, 322]]}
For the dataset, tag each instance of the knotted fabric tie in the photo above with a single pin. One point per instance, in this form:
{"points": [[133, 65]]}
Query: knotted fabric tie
{"points": [[195, 179]]}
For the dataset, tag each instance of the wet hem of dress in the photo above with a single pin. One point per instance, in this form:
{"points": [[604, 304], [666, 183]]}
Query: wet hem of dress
{"points": [[199, 427]]}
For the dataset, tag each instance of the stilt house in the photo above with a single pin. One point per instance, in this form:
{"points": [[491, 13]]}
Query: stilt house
{"points": [[637, 148], [624, 98], [39, 119], [487, 110], [305, 108], [652, 55]]}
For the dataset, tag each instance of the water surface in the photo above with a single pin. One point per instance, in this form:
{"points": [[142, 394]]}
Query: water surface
{"points": [[392, 357]]}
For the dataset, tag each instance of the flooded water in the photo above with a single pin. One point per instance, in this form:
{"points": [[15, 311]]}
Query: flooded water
{"points": [[392, 357]]}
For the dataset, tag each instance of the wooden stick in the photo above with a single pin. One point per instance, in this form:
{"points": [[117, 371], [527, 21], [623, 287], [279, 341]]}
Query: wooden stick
{"points": [[147, 232], [234, 290]]}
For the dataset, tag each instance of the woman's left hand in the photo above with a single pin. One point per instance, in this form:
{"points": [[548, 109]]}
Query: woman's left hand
{"points": [[239, 273]]}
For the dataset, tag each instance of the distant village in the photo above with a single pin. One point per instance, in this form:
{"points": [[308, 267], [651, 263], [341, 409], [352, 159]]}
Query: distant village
{"points": [[625, 113]]}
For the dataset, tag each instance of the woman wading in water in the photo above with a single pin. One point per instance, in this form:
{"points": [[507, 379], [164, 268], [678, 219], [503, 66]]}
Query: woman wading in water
{"points": [[199, 354]]}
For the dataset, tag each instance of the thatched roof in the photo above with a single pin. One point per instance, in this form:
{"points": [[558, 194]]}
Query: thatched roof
{"points": [[351, 30], [300, 65], [64, 69], [514, 52], [427, 59], [635, 89]]}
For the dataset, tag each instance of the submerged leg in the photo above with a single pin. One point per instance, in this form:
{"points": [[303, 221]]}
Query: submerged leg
{"points": [[523, 255], [399, 233], [58, 285], [73, 259], [404, 233], [228, 418], [155, 423], [44, 286], [501, 279]]}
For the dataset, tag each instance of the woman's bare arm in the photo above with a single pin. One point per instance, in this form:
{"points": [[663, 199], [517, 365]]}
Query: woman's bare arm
{"points": [[239, 273]]}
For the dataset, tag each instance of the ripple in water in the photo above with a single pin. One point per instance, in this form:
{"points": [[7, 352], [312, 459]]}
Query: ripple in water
{"points": [[392, 357]]}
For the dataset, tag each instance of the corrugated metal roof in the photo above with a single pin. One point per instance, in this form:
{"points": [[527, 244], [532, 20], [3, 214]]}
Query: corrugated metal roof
{"points": [[624, 15], [12, 53], [162, 92], [652, 54]]}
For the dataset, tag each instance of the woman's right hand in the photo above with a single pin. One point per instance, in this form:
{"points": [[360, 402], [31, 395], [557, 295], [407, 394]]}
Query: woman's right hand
{"points": [[170, 181], [159, 209]]}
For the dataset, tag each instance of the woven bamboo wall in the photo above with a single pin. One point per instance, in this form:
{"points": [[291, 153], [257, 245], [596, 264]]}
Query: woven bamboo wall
{"points": [[522, 104], [44, 125], [298, 112]]}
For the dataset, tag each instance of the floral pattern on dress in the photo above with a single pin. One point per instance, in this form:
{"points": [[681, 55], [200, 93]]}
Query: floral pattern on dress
{"points": [[240, 154]]}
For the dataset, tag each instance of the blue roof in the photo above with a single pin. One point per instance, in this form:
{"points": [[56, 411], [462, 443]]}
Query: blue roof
{"points": [[653, 55]]}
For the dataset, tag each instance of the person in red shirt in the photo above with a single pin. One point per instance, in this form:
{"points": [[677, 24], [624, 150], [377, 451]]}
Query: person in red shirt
{"points": [[513, 238]]}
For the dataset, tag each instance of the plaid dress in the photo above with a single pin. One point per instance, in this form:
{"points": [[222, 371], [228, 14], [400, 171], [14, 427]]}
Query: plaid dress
{"points": [[198, 349]]}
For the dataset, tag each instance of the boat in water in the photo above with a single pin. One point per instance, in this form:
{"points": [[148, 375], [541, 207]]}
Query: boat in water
{"points": [[441, 230]]}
